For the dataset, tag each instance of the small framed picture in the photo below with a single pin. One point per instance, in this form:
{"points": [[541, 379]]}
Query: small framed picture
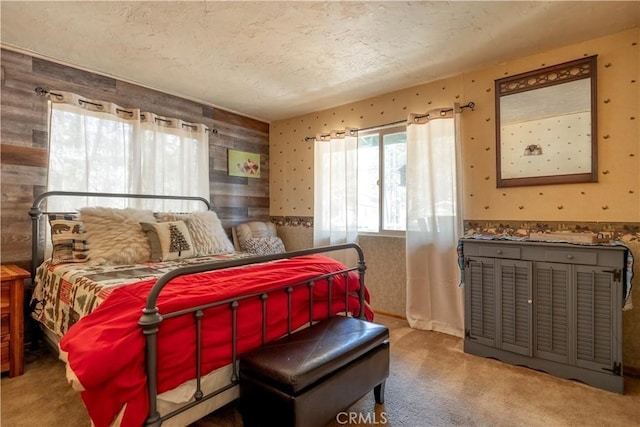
{"points": [[244, 164]]}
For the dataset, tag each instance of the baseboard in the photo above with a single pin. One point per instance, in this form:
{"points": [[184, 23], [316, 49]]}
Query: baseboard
{"points": [[631, 371], [384, 313]]}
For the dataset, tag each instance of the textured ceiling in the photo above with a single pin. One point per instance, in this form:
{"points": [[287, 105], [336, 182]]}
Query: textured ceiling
{"points": [[274, 60]]}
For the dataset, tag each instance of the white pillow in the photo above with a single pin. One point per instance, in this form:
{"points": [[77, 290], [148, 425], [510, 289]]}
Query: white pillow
{"points": [[115, 236], [207, 234], [169, 240]]}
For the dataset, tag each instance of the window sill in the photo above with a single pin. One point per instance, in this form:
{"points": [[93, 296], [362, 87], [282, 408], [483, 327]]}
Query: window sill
{"points": [[399, 235]]}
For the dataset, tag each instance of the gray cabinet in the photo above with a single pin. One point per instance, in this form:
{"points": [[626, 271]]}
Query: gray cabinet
{"points": [[551, 306], [551, 311], [514, 296]]}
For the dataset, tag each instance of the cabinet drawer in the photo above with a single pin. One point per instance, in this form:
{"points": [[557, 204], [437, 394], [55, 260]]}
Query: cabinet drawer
{"points": [[571, 257], [5, 296], [4, 357], [499, 252], [4, 326]]}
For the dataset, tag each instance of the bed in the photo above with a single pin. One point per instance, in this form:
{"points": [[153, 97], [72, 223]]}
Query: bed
{"points": [[157, 337]]}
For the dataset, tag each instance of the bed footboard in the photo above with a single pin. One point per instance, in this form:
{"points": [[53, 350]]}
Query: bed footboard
{"points": [[152, 318]]}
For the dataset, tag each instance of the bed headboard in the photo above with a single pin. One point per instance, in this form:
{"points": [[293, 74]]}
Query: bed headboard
{"points": [[36, 213]]}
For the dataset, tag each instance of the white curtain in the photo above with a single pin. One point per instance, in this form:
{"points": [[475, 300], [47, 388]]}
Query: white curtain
{"points": [[434, 222], [100, 147], [336, 191]]}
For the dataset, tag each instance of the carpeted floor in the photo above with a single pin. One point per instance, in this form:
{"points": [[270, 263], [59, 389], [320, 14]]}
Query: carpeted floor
{"points": [[432, 383]]}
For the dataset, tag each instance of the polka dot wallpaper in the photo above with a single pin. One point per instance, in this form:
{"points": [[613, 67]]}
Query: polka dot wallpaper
{"points": [[615, 198], [291, 156]]}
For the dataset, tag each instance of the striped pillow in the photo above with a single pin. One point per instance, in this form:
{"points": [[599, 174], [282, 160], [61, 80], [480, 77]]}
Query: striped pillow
{"points": [[207, 234], [68, 238]]}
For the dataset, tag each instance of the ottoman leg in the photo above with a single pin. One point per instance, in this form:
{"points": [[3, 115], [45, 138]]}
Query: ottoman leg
{"points": [[378, 392]]}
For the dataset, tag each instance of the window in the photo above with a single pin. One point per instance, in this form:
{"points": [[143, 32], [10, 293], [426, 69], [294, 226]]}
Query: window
{"points": [[89, 152], [382, 191], [138, 153]]}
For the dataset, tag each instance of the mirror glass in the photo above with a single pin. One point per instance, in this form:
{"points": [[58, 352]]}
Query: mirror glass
{"points": [[546, 127]]}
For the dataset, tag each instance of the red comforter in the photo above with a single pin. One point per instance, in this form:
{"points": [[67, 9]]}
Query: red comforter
{"points": [[105, 349]]}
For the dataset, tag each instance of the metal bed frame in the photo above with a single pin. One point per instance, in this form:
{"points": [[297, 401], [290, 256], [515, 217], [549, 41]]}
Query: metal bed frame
{"points": [[36, 213], [151, 318]]}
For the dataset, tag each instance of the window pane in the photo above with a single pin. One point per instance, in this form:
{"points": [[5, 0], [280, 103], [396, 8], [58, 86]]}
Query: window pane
{"points": [[368, 190], [87, 153], [98, 152], [394, 178]]}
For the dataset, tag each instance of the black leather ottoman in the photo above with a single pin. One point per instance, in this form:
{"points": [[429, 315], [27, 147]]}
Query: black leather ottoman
{"points": [[307, 378]]}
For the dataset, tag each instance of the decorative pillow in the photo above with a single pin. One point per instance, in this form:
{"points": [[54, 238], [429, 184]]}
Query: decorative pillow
{"points": [[115, 235], [169, 240], [264, 245], [207, 234], [242, 232], [68, 239]]}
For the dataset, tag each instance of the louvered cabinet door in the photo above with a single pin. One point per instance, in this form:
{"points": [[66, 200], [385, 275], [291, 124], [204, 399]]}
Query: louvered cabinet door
{"points": [[597, 305], [551, 306], [552, 311], [480, 300], [515, 302]]}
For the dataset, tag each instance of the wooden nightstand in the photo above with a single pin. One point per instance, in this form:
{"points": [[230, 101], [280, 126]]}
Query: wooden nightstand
{"points": [[11, 312]]}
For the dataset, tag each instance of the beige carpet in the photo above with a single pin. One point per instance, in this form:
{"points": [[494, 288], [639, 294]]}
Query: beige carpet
{"points": [[432, 383]]}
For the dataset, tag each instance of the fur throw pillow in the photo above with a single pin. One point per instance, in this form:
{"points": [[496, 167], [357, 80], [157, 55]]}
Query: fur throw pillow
{"points": [[115, 235]]}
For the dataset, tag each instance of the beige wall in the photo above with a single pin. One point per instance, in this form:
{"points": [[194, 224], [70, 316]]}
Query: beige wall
{"points": [[614, 199], [292, 157], [618, 188]]}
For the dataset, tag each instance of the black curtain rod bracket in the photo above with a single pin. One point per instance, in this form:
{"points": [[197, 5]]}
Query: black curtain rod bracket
{"points": [[40, 91]]}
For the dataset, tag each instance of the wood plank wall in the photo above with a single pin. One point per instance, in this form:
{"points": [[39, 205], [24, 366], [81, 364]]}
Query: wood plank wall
{"points": [[24, 141]]}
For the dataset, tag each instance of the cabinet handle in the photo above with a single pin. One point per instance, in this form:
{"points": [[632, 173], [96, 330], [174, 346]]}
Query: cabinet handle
{"points": [[498, 251], [570, 256], [530, 301]]}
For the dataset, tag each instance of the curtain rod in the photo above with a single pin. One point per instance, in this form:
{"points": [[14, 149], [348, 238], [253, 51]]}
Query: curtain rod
{"points": [[470, 104], [43, 92]]}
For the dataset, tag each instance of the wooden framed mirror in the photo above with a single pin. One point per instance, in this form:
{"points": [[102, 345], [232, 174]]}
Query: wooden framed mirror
{"points": [[546, 125]]}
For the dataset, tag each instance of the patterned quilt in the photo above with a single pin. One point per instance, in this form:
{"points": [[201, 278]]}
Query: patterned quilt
{"points": [[64, 293]]}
